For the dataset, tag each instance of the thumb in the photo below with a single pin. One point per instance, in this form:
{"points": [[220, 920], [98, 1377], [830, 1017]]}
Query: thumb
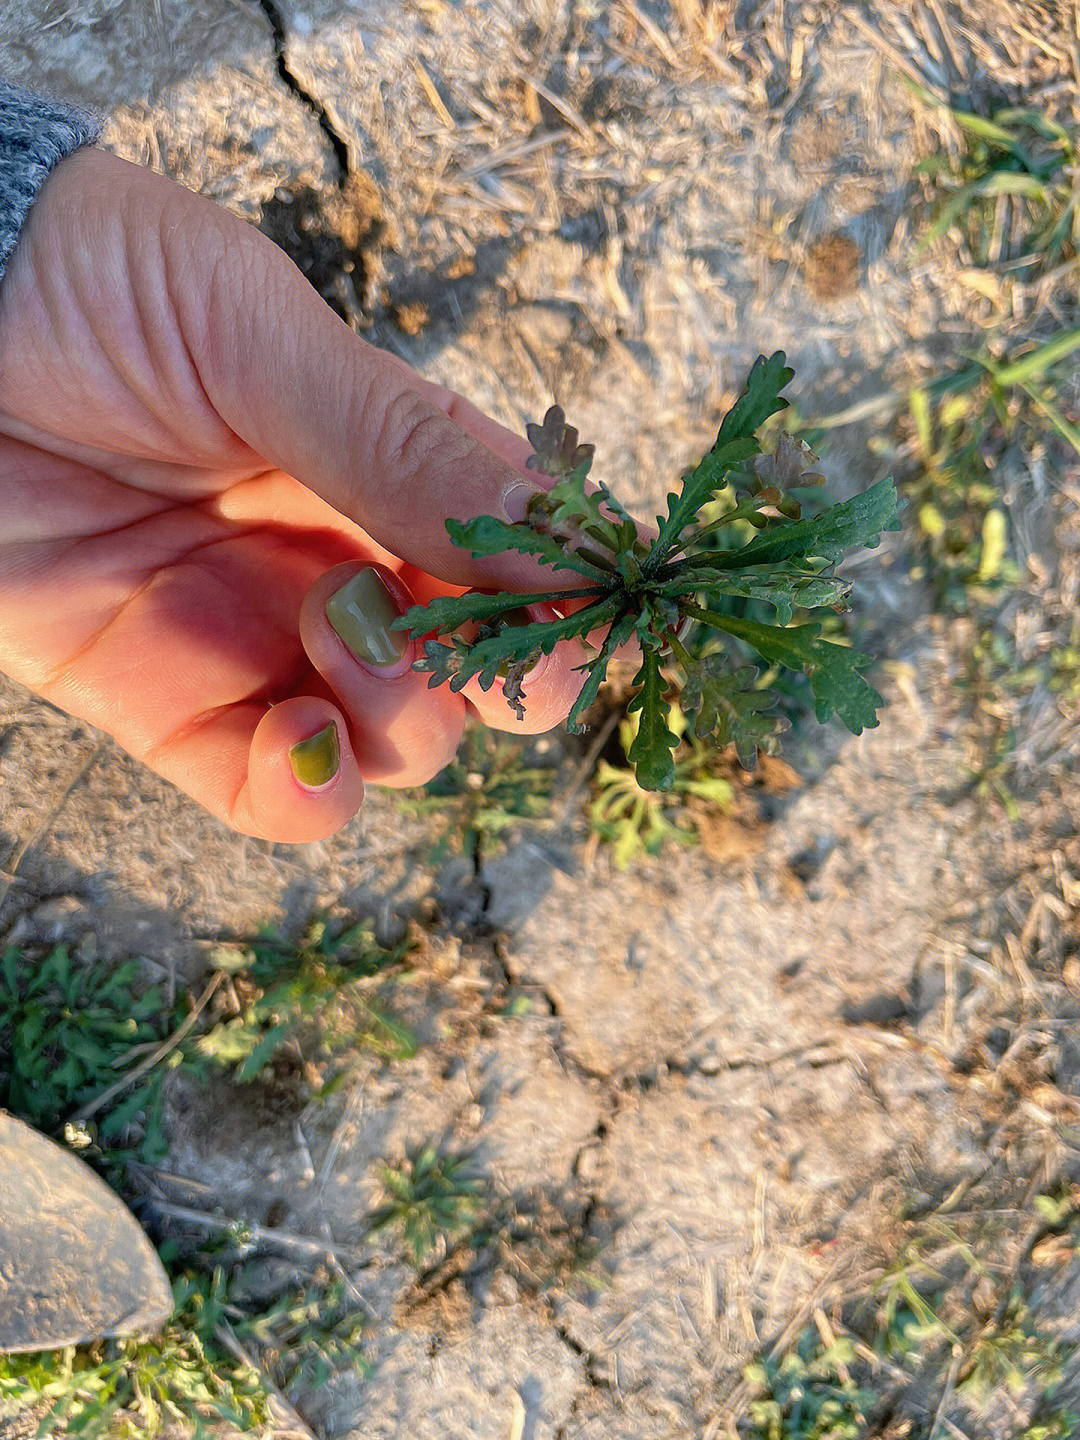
{"points": [[353, 423]]}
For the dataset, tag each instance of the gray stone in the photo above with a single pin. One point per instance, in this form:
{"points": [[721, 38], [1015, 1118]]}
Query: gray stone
{"points": [[74, 1265]]}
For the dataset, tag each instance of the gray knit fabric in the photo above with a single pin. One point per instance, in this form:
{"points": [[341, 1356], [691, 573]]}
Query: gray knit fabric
{"points": [[35, 134]]}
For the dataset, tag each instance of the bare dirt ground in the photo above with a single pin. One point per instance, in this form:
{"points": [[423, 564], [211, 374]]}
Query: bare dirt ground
{"points": [[739, 1067]]}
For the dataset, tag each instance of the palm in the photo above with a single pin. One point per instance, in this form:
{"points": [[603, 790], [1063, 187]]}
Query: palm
{"points": [[184, 605], [161, 583], [161, 575]]}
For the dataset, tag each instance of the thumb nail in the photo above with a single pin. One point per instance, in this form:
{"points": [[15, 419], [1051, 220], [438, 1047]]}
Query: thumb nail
{"points": [[515, 501], [316, 761]]}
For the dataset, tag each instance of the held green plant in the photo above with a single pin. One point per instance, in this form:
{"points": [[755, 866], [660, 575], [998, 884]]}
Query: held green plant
{"points": [[651, 591]]}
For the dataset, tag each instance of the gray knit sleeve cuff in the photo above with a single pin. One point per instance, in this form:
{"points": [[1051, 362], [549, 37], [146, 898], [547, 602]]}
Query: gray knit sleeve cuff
{"points": [[35, 134]]}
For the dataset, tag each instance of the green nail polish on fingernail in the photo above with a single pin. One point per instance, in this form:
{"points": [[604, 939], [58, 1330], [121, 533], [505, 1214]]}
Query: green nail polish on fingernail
{"points": [[361, 614], [315, 761]]}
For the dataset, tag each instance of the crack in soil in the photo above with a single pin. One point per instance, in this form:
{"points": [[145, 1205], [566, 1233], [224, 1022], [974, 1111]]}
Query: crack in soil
{"points": [[292, 82], [816, 1056]]}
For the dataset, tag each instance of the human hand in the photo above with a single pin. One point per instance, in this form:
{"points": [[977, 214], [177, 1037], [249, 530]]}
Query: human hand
{"points": [[196, 454]]}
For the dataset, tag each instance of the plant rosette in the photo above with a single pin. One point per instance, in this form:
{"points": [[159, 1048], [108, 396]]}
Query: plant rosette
{"points": [[648, 590]]}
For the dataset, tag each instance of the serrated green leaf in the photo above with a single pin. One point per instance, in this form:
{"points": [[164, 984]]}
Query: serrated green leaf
{"points": [[442, 661], [735, 444], [833, 670], [615, 506], [619, 634], [539, 638], [449, 612], [729, 708], [651, 754], [854, 522], [488, 536], [698, 486], [576, 514], [515, 643], [783, 589], [760, 398]]}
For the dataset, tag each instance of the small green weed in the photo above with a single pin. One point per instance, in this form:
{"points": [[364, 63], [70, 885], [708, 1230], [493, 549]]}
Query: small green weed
{"points": [[1010, 193], [433, 1198], [319, 996], [941, 1322], [486, 790], [192, 1374], [960, 432], [998, 682], [68, 1030], [807, 1393], [927, 1313], [963, 430], [303, 1337], [635, 821], [1057, 1425], [956, 498], [128, 1388], [909, 1321], [1014, 1352]]}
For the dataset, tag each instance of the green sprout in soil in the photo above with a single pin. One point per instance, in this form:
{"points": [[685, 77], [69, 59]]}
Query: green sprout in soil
{"points": [[322, 998], [635, 821], [650, 591], [487, 790], [1010, 193], [68, 1030], [431, 1197], [807, 1393], [957, 498]]}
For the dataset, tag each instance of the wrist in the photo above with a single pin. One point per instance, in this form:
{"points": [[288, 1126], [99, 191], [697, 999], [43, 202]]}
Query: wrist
{"points": [[36, 134]]}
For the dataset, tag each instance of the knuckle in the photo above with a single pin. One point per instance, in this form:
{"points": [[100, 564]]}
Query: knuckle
{"points": [[411, 437]]}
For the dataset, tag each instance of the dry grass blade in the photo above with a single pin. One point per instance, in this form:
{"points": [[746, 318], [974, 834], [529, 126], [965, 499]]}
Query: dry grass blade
{"points": [[145, 1066], [896, 56], [273, 1239], [653, 31], [437, 102], [290, 1422]]}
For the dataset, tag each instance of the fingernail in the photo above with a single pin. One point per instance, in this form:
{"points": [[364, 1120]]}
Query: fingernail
{"points": [[315, 761], [516, 500], [361, 613]]}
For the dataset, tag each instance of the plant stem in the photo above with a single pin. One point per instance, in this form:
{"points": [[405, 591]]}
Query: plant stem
{"points": [[550, 597], [145, 1066], [595, 558], [711, 617], [679, 650], [741, 512]]}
